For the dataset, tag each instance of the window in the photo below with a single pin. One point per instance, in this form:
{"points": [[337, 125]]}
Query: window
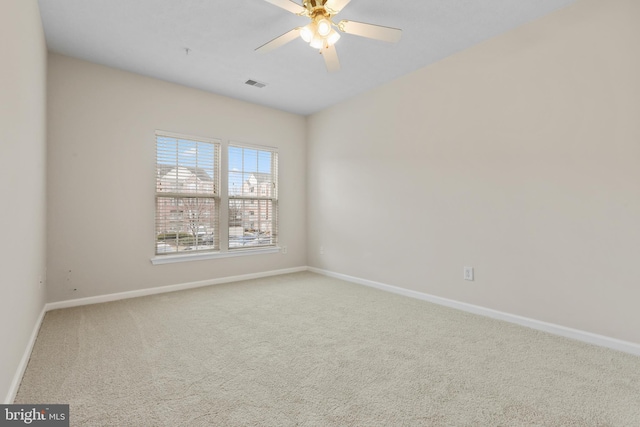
{"points": [[187, 194], [252, 213], [189, 199]]}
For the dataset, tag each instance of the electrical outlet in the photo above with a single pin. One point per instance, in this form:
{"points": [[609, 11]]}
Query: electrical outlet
{"points": [[284, 249], [468, 273], [321, 250]]}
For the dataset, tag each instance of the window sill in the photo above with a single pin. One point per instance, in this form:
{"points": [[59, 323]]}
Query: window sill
{"points": [[170, 259]]}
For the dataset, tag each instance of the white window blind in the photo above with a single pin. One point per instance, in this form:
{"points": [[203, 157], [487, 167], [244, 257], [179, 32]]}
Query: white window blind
{"points": [[187, 194], [253, 197]]}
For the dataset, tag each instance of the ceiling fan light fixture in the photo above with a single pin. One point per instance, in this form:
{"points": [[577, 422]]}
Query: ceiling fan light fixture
{"points": [[333, 37], [317, 42], [324, 27], [321, 33], [306, 33]]}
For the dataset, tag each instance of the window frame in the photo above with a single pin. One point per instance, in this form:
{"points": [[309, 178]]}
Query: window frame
{"points": [[198, 194], [256, 196], [221, 199]]}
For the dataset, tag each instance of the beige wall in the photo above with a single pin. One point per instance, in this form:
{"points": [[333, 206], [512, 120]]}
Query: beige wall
{"points": [[22, 187], [519, 157], [101, 177]]}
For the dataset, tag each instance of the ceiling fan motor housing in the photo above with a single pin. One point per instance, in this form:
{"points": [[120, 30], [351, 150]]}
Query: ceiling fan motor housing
{"points": [[316, 9], [310, 5]]}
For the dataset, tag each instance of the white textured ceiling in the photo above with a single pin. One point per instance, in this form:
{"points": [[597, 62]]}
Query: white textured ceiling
{"points": [[149, 37]]}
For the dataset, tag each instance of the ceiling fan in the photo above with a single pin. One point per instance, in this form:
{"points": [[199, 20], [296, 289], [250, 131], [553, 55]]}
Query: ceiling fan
{"points": [[321, 32]]}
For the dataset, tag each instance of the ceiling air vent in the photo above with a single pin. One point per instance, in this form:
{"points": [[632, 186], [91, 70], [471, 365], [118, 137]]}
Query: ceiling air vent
{"points": [[255, 83]]}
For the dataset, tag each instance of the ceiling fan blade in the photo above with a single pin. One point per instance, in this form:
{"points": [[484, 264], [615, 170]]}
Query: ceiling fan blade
{"points": [[279, 41], [335, 6], [330, 56], [288, 5], [378, 32]]}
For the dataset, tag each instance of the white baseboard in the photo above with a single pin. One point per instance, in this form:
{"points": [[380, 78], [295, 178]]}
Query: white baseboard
{"points": [[576, 334], [163, 289], [17, 378]]}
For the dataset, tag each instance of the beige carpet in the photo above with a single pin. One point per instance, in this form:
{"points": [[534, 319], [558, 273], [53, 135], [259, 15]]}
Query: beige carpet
{"points": [[306, 350]]}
